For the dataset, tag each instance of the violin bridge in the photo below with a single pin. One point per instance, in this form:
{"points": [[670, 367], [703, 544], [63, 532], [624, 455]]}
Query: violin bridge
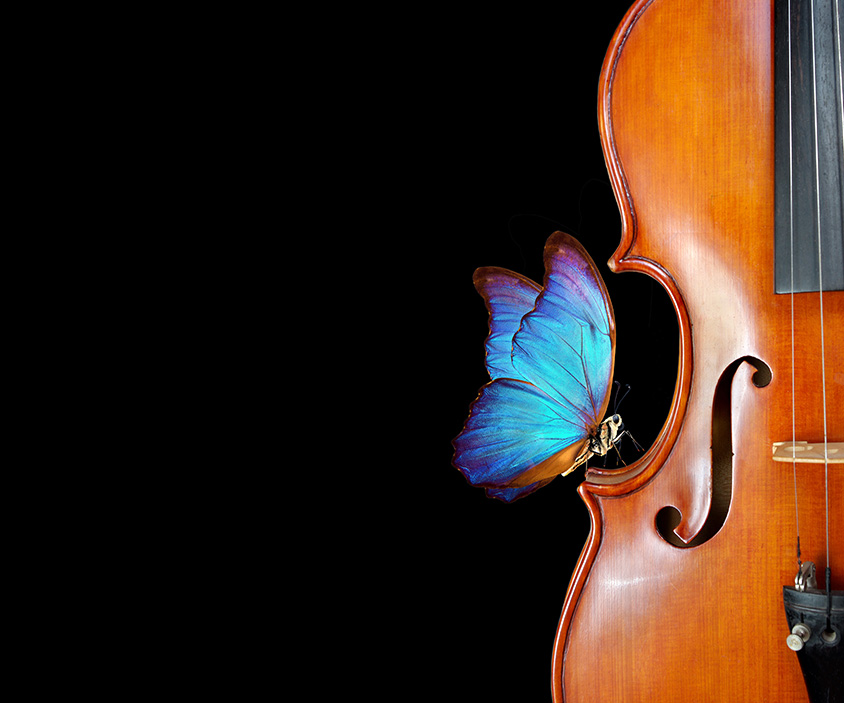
{"points": [[809, 452]]}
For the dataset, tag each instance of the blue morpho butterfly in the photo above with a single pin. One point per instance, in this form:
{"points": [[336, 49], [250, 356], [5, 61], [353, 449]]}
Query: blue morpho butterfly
{"points": [[550, 355]]}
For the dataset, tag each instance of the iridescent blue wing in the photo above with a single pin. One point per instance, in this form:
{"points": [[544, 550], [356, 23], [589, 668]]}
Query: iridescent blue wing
{"points": [[566, 344], [523, 431], [513, 426], [508, 297]]}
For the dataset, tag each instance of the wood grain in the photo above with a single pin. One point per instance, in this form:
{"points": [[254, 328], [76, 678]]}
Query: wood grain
{"points": [[686, 118]]}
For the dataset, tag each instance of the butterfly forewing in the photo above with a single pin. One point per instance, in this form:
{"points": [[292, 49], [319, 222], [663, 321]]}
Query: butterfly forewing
{"points": [[508, 298], [565, 345]]}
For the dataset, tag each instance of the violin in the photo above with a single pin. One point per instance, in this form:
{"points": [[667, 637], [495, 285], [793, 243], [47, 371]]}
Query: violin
{"points": [[714, 569]]}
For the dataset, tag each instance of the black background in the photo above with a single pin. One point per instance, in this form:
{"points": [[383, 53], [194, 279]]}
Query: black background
{"points": [[504, 150]]}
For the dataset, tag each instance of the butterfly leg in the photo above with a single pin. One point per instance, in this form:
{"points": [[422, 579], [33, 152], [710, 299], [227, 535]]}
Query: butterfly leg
{"points": [[581, 459], [632, 439], [617, 441], [618, 455]]}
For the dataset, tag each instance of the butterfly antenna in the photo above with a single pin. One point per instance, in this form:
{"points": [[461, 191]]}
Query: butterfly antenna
{"points": [[617, 403]]}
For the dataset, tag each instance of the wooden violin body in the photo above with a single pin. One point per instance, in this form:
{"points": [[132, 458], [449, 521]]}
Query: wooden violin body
{"points": [[677, 595]]}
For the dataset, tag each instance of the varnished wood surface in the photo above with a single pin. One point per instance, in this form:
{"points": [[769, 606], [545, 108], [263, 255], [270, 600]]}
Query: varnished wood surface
{"points": [[686, 115]]}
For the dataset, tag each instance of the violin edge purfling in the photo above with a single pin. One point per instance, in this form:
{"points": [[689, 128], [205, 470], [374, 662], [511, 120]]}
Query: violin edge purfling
{"points": [[678, 592]]}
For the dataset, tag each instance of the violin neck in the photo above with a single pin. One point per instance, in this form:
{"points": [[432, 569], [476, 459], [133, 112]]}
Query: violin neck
{"points": [[809, 138]]}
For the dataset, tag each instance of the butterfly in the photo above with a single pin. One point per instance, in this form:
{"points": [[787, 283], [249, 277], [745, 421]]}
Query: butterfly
{"points": [[550, 355]]}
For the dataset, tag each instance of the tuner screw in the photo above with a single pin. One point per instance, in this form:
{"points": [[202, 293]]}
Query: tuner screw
{"points": [[800, 634]]}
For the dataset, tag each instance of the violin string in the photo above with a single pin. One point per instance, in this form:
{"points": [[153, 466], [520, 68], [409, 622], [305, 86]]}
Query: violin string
{"points": [[791, 245], [820, 290], [837, 32]]}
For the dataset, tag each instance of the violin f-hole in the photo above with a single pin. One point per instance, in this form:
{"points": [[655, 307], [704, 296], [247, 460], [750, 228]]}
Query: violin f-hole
{"points": [[722, 459]]}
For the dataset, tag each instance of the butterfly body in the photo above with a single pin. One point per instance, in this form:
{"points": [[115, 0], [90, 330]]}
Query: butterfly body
{"points": [[550, 355], [608, 434]]}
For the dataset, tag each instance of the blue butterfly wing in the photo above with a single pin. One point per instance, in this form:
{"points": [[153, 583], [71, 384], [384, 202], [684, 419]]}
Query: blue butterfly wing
{"points": [[566, 344], [508, 298], [513, 426], [561, 357]]}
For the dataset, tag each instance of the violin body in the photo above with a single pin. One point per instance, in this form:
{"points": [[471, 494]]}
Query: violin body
{"points": [[677, 595]]}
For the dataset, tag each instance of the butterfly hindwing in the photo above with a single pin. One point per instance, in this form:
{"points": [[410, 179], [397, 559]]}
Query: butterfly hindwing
{"points": [[512, 427]]}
